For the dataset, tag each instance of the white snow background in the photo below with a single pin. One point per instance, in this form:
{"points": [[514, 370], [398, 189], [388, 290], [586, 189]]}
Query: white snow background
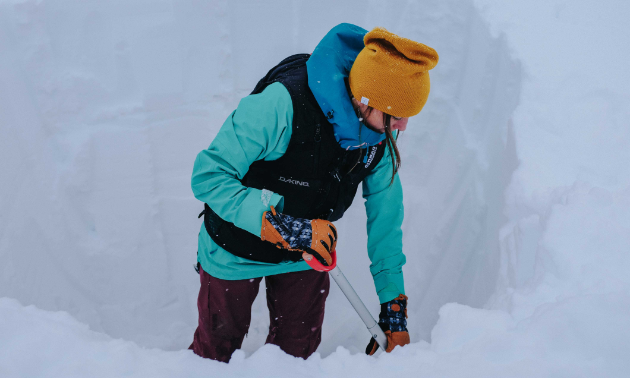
{"points": [[516, 178]]}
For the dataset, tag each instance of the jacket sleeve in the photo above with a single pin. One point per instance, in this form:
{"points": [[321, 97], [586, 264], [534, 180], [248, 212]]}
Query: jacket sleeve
{"points": [[259, 128], [385, 213]]}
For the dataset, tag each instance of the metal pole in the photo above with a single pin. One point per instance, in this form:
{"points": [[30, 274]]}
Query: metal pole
{"points": [[360, 308]]}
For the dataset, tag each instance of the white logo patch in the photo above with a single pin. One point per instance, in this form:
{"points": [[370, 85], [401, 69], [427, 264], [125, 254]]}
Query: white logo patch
{"points": [[371, 157], [365, 100], [265, 197]]}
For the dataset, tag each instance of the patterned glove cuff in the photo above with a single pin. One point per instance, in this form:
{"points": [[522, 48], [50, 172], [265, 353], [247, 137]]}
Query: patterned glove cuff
{"points": [[296, 231], [393, 316]]}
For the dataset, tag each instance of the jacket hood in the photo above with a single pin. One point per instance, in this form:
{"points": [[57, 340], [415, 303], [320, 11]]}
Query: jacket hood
{"points": [[327, 68]]}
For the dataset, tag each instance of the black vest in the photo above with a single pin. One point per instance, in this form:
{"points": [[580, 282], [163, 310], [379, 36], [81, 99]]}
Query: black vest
{"points": [[317, 178]]}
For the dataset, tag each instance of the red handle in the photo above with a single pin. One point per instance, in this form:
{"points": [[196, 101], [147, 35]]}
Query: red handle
{"points": [[315, 264]]}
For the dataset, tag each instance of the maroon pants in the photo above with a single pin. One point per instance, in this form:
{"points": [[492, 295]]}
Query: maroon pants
{"points": [[296, 310]]}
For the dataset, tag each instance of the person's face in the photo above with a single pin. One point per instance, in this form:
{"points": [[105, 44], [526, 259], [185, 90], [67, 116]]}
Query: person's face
{"points": [[374, 120]]}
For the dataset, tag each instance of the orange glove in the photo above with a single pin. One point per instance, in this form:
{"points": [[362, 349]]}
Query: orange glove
{"points": [[393, 321], [316, 237]]}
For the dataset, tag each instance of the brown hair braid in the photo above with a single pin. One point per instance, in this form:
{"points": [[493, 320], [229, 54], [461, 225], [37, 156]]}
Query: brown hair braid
{"points": [[390, 140]]}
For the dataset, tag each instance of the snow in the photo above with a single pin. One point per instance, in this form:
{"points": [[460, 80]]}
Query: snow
{"points": [[515, 174]]}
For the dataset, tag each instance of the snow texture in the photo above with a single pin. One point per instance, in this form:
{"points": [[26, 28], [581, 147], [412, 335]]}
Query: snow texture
{"points": [[515, 174]]}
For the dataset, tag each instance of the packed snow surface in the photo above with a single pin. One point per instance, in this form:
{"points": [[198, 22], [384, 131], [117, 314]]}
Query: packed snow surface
{"points": [[515, 174]]}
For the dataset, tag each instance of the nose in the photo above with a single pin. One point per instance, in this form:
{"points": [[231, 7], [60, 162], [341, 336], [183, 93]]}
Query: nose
{"points": [[401, 124]]}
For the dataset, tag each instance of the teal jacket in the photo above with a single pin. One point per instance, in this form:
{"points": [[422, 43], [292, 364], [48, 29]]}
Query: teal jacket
{"points": [[260, 128]]}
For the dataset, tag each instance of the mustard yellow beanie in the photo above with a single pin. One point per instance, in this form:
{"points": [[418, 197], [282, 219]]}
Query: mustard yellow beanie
{"points": [[391, 73]]}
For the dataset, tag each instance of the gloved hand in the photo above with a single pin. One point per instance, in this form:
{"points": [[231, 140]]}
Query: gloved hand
{"points": [[317, 237], [393, 321]]}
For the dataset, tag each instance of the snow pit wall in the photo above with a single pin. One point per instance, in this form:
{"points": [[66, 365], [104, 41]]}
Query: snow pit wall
{"points": [[105, 107]]}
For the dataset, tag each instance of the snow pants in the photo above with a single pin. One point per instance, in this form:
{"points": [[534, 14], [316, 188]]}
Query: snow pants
{"points": [[296, 311]]}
